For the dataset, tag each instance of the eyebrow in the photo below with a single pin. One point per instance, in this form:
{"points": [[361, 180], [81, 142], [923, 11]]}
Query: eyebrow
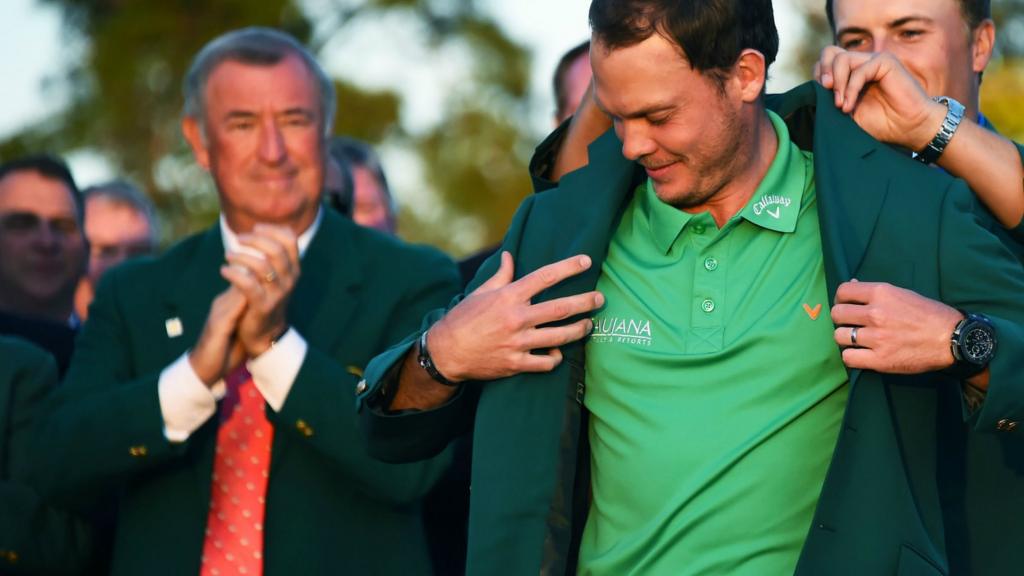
{"points": [[652, 109], [248, 115], [914, 19]]}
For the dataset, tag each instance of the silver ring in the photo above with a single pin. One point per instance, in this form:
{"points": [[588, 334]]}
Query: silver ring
{"points": [[853, 335]]}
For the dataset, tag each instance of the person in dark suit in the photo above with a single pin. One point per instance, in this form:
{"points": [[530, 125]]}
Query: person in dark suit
{"points": [[620, 399], [35, 538], [42, 253], [214, 387]]}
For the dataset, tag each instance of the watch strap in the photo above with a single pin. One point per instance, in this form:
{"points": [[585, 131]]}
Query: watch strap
{"points": [[954, 115], [427, 362]]}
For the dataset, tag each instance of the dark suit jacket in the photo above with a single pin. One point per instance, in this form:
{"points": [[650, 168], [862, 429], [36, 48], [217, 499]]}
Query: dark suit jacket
{"points": [[57, 339], [330, 508], [35, 538], [889, 504]]}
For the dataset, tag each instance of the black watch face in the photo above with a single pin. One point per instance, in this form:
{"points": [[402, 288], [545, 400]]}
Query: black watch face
{"points": [[977, 345]]}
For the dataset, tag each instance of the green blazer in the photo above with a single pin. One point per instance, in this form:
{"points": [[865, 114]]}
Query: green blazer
{"points": [[330, 508], [895, 498], [35, 538]]}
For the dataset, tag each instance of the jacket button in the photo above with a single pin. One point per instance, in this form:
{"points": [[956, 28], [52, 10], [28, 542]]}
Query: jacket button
{"points": [[1005, 425], [361, 387], [303, 428], [138, 451]]}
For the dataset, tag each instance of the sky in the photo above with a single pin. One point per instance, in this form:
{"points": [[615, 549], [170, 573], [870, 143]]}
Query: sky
{"points": [[33, 33]]}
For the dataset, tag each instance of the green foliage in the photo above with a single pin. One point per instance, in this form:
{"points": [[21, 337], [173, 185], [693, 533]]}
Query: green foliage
{"points": [[126, 102], [1001, 97]]}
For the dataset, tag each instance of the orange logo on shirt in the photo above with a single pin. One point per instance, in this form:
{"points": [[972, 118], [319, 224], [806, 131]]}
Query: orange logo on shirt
{"points": [[813, 312]]}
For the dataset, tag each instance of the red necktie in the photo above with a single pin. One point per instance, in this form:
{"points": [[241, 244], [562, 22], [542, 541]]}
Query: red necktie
{"points": [[234, 527]]}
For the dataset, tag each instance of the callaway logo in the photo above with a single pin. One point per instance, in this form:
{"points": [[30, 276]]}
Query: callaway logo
{"points": [[768, 200], [622, 331]]}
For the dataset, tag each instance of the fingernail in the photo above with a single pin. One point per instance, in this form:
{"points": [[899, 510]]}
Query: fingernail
{"points": [[585, 262], [599, 299]]}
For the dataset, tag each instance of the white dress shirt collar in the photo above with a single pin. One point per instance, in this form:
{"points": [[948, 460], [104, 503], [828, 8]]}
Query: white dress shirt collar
{"points": [[231, 239]]}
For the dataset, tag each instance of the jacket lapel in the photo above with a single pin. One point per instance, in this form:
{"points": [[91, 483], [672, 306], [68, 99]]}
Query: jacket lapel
{"points": [[851, 180], [190, 291], [589, 204], [325, 296]]}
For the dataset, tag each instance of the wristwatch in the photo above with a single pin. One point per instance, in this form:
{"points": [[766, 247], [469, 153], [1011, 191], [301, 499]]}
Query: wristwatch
{"points": [[973, 345], [427, 363], [935, 148]]}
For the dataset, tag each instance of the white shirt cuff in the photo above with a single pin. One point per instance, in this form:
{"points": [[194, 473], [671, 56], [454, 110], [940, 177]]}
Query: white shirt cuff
{"points": [[274, 371], [185, 402]]}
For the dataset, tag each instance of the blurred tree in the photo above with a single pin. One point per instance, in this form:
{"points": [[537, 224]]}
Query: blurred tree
{"points": [[126, 99]]}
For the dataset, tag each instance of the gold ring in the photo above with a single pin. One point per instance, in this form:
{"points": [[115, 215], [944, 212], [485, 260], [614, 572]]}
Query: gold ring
{"points": [[270, 277]]}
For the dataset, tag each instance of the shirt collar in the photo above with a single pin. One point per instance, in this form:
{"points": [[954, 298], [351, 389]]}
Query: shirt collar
{"points": [[667, 222], [231, 243], [775, 204]]}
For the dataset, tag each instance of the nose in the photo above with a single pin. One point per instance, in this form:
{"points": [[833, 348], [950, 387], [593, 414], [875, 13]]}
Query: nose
{"points": [[272, 146], [636, 143], [46, 238]]}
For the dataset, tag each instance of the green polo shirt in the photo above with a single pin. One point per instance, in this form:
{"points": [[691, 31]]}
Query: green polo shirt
{"points": [[715, 389]]}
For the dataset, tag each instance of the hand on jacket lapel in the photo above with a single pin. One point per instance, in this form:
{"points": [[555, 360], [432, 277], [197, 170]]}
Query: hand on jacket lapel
{"points": [[897, 331]]}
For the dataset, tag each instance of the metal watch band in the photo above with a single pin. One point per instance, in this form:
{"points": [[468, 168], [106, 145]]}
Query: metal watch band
{"points": [[427, 363], [935, 148]]}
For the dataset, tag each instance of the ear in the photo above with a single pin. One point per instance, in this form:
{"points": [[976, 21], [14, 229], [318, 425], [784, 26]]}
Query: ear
{"points": [[983, 41], [750, 74], [194, 136]]}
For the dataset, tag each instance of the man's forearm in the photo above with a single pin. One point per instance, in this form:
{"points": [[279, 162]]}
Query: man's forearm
{"points": [[991, 166], [416, 389]]}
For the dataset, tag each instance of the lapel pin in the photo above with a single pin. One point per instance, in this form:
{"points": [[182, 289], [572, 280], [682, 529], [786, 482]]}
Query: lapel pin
{"points": [[174, 327]]}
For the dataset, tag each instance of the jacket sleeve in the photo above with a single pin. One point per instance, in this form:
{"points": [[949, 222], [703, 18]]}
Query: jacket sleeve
{"points": [[320, 409], [35, 537], [104, 424], [411, 435], [978, 273]]}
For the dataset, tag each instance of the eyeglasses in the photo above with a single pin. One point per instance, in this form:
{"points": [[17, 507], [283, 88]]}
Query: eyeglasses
{"points": [[25, 223], [122, 251]]}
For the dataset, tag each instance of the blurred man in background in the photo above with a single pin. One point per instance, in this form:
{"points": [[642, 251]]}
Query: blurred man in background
{"points": [[120, 223], [572, 78], [42, 253], [372, 203], [214, 387]]}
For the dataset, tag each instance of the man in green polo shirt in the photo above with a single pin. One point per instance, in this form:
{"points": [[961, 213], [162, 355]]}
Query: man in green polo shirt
{"points": [[712, 375], [708, 424]]}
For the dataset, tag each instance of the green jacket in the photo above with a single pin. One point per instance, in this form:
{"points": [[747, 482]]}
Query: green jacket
{"points": [[35, 538], [895, 490], [330, 508]]}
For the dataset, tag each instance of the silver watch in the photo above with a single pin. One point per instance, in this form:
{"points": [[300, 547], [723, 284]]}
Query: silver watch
{"points": [[935, 148]]}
